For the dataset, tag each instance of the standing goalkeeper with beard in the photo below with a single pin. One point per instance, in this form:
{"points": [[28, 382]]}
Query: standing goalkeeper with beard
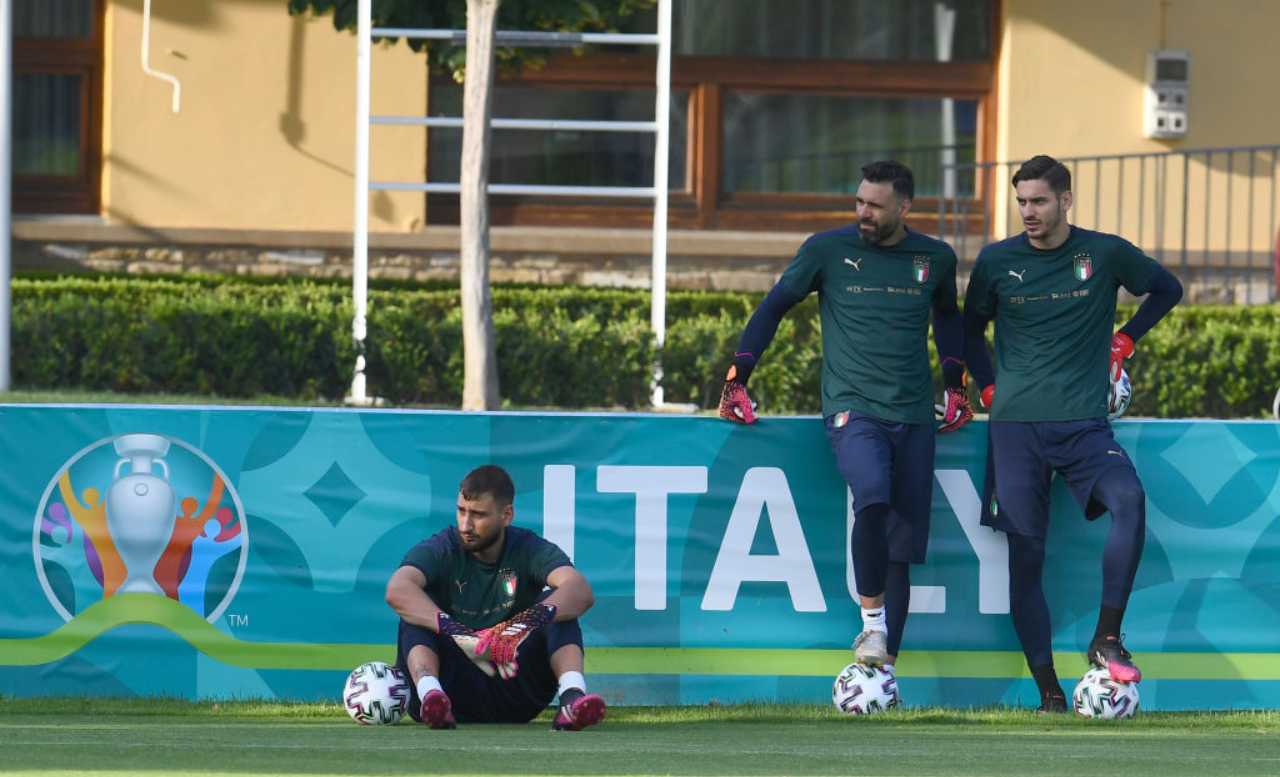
{"points": [[877, 284], [1052, 294], [478, 634]]}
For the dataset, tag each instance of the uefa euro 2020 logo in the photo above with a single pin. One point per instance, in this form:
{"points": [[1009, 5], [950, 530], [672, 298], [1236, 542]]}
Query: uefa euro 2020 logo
{"points": [[140, 513]]}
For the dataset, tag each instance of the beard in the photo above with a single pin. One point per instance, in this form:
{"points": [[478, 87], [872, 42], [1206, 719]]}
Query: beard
{"points": [[1049, 221], [877, 233], [480, 544]]}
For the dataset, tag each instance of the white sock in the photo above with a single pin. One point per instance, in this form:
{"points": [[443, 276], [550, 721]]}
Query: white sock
{"points": [[428, 684], [572, 680], [873, 620]]}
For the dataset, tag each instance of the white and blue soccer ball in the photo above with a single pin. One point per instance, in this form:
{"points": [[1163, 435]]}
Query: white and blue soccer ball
{"points": [[376, 694], [1121, 396], [865, 690], [1098, 696]]}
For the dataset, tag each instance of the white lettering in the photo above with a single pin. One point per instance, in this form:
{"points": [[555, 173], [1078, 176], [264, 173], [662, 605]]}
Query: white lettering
{"points": [[651, 485], [764, 488], [558, 506], [988, 544]]}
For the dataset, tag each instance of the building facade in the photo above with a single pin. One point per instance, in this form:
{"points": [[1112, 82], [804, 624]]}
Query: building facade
{"points": [[775, 106]]}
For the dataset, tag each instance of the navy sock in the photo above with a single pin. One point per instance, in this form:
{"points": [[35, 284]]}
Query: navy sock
{"points": [[570, 696], [897, 600], [1046, 678], [1108, 622]]}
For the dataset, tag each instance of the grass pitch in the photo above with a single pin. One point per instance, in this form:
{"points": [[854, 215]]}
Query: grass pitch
{"points": [[162, 737]]}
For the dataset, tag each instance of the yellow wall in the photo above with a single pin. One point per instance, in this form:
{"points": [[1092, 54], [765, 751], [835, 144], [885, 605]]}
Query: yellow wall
{"points": [[264, 139], [1071, 78], [265, 135]]}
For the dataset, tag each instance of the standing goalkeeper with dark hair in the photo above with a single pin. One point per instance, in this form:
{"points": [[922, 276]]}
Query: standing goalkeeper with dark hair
{"points": [[1052, 293], [877, 284], [478, 635]]}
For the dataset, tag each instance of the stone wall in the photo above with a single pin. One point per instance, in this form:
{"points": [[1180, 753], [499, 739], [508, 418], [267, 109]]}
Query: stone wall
{"points": [[610, 258]]}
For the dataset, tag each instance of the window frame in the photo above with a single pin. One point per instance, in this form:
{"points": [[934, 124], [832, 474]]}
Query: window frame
{"points": [[702, 205], [79, 193]]}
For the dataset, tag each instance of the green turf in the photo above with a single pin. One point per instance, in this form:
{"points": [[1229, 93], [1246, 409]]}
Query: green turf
{"points": [[161, 737]]}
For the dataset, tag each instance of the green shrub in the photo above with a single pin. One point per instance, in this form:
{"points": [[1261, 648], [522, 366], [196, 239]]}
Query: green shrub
{"points": [[557, 347]]}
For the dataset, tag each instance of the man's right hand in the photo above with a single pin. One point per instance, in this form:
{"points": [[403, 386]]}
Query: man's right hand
{"points": [[468, 640], [735, 404]]}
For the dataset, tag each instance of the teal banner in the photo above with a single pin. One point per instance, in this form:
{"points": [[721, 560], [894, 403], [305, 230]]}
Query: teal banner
{"points": [[243, 553]]}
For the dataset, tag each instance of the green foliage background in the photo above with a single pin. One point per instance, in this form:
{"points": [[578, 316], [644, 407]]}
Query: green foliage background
{"points": [[534, 15], [557, 347]]}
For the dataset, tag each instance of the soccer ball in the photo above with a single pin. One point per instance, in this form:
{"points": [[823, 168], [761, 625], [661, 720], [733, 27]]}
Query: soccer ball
{"points": [[864, 690], [1121, 396], [376, 694], [1098, 696]]}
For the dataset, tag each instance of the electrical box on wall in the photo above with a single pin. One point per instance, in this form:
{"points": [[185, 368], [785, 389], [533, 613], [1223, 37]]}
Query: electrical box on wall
{"points": [[1165, 113]]}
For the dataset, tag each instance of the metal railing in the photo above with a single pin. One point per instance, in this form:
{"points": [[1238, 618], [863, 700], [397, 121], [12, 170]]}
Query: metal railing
{"points": [[1207, 214]]}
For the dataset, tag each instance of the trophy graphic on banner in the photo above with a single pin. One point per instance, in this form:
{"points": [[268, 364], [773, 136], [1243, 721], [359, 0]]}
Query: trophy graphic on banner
{"points": [[140, 509]]}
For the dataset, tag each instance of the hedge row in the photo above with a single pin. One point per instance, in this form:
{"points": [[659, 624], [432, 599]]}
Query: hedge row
{"points": [[562, 347]]}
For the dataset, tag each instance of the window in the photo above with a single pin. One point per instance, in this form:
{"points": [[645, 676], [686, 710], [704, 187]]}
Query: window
{"points": [[903, 30], [561, 157], [818, 143], [776, 106], [57, 105]]}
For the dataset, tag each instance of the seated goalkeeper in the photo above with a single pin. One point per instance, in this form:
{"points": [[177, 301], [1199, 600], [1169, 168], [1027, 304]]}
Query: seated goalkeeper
{"points": [[480, 637]]}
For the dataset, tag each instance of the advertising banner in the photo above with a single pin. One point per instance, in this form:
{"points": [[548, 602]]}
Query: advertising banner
{"points": [[244, 553]]}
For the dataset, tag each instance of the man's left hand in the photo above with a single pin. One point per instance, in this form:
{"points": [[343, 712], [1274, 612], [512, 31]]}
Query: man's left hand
{"points": [[956, 412], [500, 643]]}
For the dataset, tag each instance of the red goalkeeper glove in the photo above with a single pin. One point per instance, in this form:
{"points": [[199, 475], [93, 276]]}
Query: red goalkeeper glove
{"points": [[988, 396], [735, 405], [1121, 349], [501, 642], [956, 412], [468, 640]]}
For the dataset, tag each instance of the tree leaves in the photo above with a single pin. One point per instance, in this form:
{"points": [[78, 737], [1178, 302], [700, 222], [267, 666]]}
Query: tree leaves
{"points": [[536, 15]]}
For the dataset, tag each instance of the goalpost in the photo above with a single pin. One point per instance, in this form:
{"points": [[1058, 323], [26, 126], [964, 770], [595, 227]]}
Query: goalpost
{"points": [[659, 127]]}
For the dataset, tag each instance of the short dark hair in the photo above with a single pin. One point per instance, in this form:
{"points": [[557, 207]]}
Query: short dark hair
{"points": [[1045, 168], [489, 479], [890, 171]]}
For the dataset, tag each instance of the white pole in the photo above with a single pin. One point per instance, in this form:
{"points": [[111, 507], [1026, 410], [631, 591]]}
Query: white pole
{"points": [[146, 58], [360, 229], [944, 27], [6, 169], [662, 117]]}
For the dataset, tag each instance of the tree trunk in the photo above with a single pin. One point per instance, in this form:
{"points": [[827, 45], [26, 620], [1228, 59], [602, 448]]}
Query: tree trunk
{"points": [[480, 372]]}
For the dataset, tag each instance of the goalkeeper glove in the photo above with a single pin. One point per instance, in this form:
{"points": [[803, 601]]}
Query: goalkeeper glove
{"points": [[735, 404], [956, 412], [502, 641], [1121, 349], [468, 640]]}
